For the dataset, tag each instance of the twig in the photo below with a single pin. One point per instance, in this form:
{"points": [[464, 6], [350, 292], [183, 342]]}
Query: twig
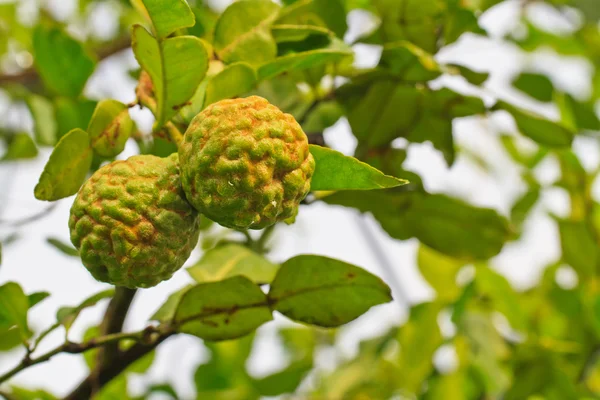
{"points": [[29, 219], [174, 134], [76, 348]]}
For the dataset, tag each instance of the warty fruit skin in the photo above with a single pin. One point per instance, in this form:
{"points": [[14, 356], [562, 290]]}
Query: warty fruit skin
{"points": [[245, 164], [131, 222]]}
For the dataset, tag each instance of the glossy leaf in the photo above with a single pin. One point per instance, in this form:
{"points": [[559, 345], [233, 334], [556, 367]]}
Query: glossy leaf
{"points": [[325, 292], [62, 62], [230, 260], [167, 16], [67, 167], [243, 32], [222, 310], [335, 171], [67, 315], [176, 67], [232, 81]]}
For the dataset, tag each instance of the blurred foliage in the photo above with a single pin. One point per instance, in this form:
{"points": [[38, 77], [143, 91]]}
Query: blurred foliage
{"points": [[496, 343]]}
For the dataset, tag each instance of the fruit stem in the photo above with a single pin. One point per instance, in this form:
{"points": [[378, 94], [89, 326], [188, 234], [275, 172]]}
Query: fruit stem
{"points": [[174, 134]]}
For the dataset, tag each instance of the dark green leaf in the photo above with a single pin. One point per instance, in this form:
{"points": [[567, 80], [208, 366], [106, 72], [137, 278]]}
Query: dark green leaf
{"points": [[222, 310], [577, 115], [335, 171], [325, 292], [324, 115], [14, 305], [230, 260], [537, 86], [474, 77], [63, 247], [243, 32], [306, 59], [409, 62], [167, 16], [62, 62], [520, 210], [67, 167], [44, 122], [539, 129], [67, 315]]}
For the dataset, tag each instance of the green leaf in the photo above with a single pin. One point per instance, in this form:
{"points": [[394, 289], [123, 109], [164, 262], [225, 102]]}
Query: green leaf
{"points": [[67, 167], [62, 62], [285, 381], [243, 32], [63, 247], [44, 122], [232, 81], [520, 210], [166, 312], [14, 306], [206, 20], [440, 272], [497, 289], [474, 77], [167, 16], [37, 297], [296, 33], [409, 62], [577, 115], [416, 362], [537, 86], [325, 292], [579, 248], [319, 13], [67, 315], [303, 60], [230, 260], [21, 147], [176, 67], [222, 310], [324, 115], [539, 129], [27, 394], [109, 128], [335, 171], [71, 114]]}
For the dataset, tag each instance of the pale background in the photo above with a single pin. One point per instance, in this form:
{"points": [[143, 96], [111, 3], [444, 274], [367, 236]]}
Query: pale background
{"points": [[320, 229]]}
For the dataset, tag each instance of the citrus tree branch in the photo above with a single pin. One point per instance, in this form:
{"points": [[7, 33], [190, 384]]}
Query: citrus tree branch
{"points": [[113, 320], [150, 335]]}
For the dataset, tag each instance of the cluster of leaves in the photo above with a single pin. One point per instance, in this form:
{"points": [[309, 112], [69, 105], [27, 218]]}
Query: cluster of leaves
{"points": [[506, 344]]}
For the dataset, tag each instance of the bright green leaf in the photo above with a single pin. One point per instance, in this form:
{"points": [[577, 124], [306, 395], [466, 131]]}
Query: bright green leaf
{"points": [[222, 310], [109, 128], [67, 315], [167, 16], [230, 260], [234, 80], [166, 312], [295, 33], [325, 292], [37, 297], [243, 32], [580, 250], [440, 272], [62, 62], [67, 167], [335, 171], [21, 147], [176, 67]]}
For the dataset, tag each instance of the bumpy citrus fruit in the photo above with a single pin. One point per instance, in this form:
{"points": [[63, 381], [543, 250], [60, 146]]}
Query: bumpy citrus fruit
{"points": [[245, 164], [131, 222]]}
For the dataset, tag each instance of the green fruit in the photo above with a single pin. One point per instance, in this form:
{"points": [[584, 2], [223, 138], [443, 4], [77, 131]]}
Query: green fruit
{"points": [[131, 222], [245, 164]]}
